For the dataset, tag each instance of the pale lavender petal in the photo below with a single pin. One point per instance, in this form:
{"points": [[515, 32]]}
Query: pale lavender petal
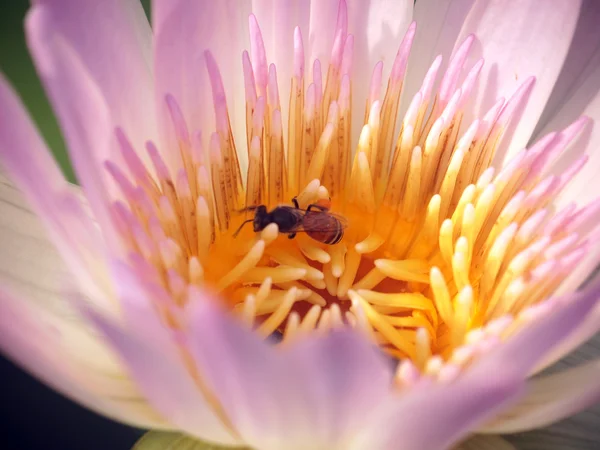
{"points": [[551, 398], [347, 378], [589, 328], [29, 163], [436, 416], [81, 109], [156, 363], [313, 395], [190, 28], [113, 40]]}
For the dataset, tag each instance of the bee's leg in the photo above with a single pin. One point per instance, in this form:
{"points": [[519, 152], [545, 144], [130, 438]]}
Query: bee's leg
{"points": [[315, 206], [295, 202], [291, 235]]}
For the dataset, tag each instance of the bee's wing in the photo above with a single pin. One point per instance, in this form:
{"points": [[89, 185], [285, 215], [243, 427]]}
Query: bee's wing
{"points": [[320, 222], [341, 219]]}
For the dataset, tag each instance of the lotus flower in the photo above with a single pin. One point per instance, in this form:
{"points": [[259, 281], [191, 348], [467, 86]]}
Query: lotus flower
{"points": [[459, 253]]}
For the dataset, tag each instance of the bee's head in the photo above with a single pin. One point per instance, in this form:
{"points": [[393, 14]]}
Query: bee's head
{"points": [[261, 218]]}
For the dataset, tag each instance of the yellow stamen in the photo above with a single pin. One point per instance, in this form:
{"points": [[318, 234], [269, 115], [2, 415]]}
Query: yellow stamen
{"points": [[434, 248], [275, 319]]}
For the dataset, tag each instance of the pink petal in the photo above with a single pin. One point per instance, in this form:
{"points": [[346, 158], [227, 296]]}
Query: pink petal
{"points": [[551, 398], [63, 355], [437, 416], [149, 352], [516, 43], [113, 41], [313, 395], [81, 109], [30, 164], [190, 28], [588, 329], [484, 389]]}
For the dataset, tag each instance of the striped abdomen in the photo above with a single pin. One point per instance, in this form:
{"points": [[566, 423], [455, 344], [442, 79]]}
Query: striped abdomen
{"points": [[323, 227]]}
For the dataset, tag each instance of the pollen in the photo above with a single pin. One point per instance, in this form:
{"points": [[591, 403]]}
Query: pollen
{"points": [[444, 249]]}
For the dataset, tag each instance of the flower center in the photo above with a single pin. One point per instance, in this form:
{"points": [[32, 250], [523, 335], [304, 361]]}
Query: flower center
{"points": [[437, 246]]}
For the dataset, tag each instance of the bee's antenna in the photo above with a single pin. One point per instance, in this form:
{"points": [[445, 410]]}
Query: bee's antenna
{"points": [[247, 208], [241, 226]]}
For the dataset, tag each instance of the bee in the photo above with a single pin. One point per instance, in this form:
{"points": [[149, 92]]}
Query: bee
{"points": [[316, 221]]}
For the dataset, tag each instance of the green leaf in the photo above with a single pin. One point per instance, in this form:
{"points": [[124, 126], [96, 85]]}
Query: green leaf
{"points": [[164, 440]]}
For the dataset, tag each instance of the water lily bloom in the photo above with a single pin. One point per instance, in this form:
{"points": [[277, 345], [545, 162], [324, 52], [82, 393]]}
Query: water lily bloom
{"points": [[444, 218]]}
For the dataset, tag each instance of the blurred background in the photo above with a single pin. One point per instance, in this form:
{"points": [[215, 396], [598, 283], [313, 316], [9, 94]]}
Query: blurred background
{"points": [[31, 415]]}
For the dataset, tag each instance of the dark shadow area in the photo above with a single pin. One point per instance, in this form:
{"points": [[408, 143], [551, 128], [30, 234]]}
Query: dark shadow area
{"points": [[33, 417]]}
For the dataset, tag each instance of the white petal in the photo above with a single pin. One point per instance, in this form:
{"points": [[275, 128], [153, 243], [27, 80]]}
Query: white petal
{"points": [[42, 333], [63, 353], [29, 163], [551, 398], [30, 263]]}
